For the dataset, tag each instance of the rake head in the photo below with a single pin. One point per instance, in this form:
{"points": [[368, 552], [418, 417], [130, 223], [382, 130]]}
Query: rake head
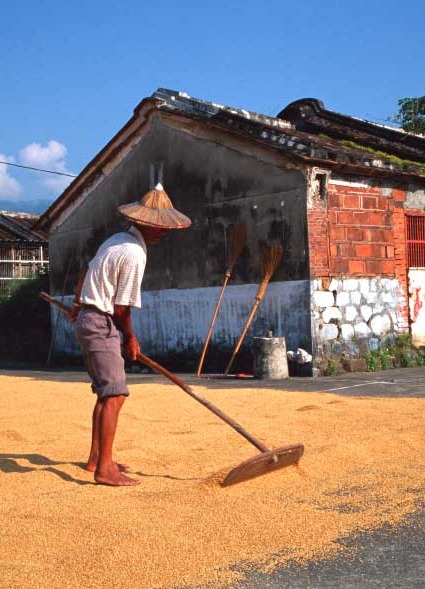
{"points": [[264, 463]]}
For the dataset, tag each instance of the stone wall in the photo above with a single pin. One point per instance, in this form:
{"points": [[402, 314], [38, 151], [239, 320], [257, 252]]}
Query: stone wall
{"points": [[353, 315]]}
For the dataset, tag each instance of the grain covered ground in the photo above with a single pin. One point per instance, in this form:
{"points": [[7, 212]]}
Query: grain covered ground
{"points": [[363, 467]]}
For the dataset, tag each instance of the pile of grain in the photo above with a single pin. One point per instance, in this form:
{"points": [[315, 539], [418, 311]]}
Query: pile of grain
{"points": [[361, 469]]}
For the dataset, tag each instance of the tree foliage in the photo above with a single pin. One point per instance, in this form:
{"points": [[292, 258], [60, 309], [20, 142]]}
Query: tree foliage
{"points": [[411, 114], [25, 322]]}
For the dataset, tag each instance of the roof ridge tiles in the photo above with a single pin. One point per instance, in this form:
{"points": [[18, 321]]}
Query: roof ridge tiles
{"points": [[184, 102]]}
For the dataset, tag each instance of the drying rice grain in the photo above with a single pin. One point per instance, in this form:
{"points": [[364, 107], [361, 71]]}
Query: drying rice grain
{"points": [[363, 467]]}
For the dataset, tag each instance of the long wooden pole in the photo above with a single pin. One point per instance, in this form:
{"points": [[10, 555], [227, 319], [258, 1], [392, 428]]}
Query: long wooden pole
{"points": [[237, 239], [242, 336], [271, 257], [56, 323], [213, 320], [218, 412], [179, 382]]}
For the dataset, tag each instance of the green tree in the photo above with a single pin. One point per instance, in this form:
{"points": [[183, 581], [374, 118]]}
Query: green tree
{"points": [[25, 322], [411, 114]]}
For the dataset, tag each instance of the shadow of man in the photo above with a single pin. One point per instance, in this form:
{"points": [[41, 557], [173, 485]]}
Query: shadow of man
{"points": [[9, 464]]}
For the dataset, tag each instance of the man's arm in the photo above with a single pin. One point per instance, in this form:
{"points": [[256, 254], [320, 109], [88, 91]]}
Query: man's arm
{"points": [[122, 319], [72, 315]]}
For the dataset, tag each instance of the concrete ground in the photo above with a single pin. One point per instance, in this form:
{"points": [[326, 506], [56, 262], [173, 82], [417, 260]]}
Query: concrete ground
{"points": [[389, 558], [398, 382]]}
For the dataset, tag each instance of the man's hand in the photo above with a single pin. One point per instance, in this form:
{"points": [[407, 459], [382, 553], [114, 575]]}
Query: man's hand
{"points": [[122, 318], [73, 313], [131, 348]]}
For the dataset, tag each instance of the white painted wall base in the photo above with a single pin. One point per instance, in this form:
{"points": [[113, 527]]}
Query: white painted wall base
{"points": [[177, 320]]}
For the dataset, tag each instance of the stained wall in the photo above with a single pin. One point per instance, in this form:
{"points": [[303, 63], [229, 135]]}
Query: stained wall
{"points": [[216, 186]]}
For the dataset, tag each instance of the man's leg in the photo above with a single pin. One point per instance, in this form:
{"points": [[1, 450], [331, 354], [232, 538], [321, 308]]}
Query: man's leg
{"points": [[94, 450], [101, 345], [107, 471]]}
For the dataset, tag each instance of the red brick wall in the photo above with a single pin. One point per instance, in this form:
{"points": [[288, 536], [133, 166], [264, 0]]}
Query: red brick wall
{"points": [[360, 225], [317, 219], [359, 232]]}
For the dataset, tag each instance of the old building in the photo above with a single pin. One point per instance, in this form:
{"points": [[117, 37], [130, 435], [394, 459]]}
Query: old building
{"points": [[366, 233], [23, 250], [345, 197]]}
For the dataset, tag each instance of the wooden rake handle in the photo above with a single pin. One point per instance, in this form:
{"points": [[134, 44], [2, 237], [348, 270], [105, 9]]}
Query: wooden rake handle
{"points": [[176, 380], [237, 240], [270, 259], [213, 320], [54, 302], [258, 298], [218, 412], [243, 334]]}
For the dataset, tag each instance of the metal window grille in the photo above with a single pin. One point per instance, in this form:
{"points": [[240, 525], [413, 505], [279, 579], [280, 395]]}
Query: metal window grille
{"points": [[20, 262], [416, 241]]}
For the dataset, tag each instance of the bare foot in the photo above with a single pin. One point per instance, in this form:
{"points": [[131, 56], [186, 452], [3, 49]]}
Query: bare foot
{"points": [[114, 478], [91, 466], [120, 481]]}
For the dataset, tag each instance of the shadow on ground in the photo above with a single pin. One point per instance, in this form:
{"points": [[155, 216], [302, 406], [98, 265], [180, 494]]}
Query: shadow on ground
{"points": [[9, 464]]}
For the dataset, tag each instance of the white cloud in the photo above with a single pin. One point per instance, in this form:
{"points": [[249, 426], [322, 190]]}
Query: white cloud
{"points": [[56, 184], [51, 157], [9, 187]]}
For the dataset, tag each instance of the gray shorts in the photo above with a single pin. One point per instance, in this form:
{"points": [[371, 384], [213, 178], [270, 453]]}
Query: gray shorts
{"points": [[101, 345]]}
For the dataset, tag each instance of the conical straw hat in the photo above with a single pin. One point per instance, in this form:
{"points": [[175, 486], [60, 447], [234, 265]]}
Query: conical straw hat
{"points": [[155, 209]]}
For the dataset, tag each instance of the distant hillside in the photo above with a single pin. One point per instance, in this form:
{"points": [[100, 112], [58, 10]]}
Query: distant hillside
{"points": [[26, 206]]}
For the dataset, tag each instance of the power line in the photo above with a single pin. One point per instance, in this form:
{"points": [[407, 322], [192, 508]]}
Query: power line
{"points": [[39, 169]]}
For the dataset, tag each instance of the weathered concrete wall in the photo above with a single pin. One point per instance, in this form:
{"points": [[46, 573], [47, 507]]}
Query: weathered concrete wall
{"points": [[417, 305], [173, 323], [415, 198], [216, 186]]}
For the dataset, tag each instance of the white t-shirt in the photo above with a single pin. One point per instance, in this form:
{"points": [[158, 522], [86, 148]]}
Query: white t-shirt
{"points": [[115, 274]]}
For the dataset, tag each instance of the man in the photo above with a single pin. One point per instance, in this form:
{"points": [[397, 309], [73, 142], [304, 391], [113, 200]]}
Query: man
{"points": [[108, 290]]}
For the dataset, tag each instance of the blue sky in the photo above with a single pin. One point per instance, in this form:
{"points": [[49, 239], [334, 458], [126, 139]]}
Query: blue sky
{"points": [[71, 73]]}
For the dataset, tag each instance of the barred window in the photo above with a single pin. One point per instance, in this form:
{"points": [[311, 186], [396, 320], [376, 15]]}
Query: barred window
{"points": [[20, 261], [415, 241]]}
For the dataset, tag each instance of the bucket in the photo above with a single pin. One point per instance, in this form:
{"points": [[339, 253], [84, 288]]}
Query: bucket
{"points": [[270, 361]]}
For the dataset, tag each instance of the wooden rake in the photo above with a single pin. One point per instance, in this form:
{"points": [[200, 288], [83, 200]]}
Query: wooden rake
{"points": [[271, 257], [267, 461], [237, 240]]}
